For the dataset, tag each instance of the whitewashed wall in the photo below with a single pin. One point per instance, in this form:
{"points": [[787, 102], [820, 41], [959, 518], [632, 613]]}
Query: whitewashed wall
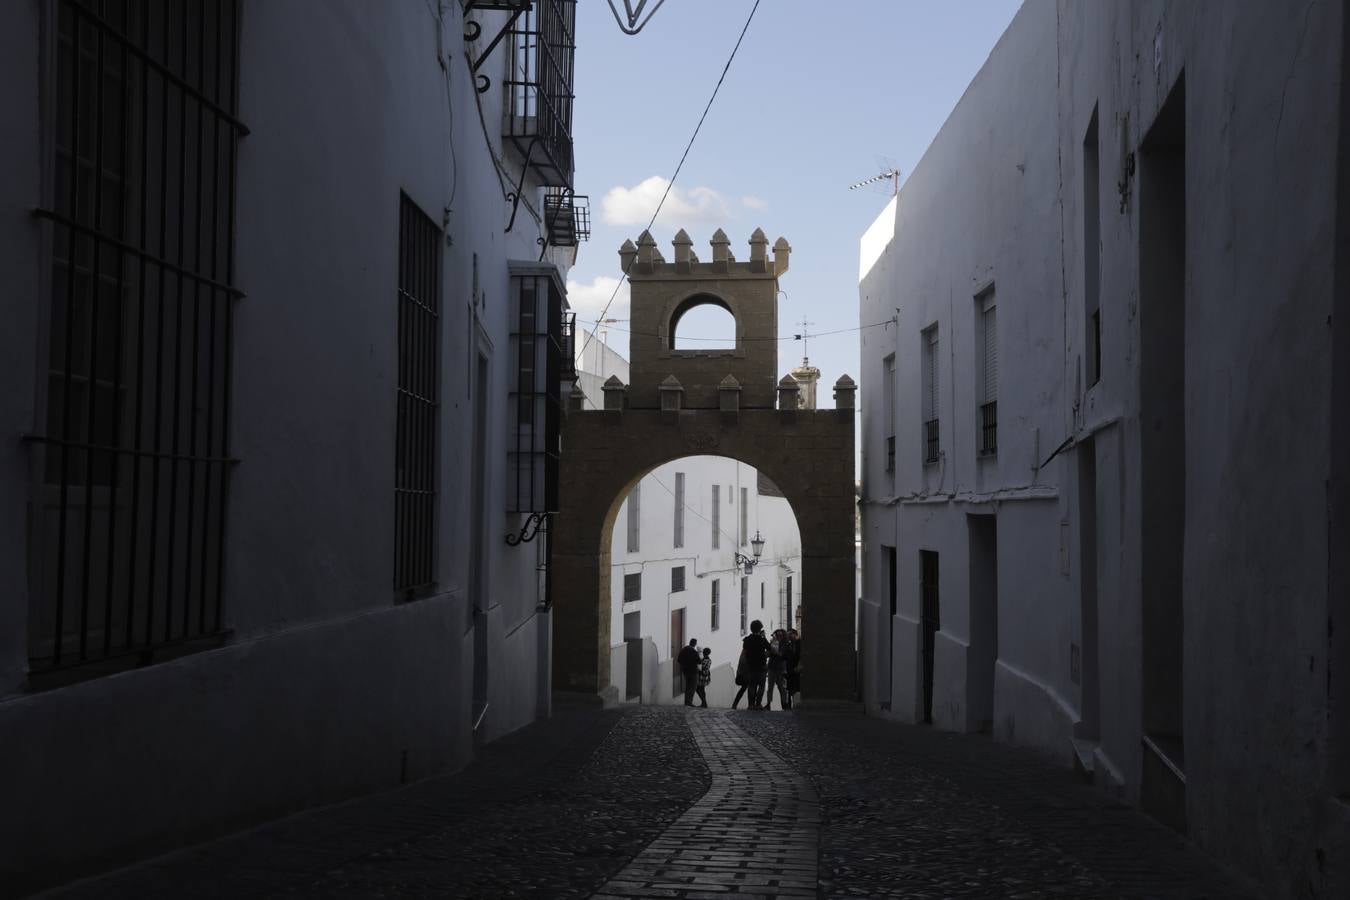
{"points": [[999, 199], [327, 686]]}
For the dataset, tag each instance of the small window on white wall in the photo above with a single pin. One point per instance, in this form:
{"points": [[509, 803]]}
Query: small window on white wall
{"points": [[632, 587], [716, 604]]}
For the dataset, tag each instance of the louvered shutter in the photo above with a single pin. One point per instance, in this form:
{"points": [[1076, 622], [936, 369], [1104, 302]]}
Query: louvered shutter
{"points": [[991, 354]]}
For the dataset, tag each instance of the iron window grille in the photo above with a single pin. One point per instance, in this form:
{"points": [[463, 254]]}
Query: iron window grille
{"points": [[989, 427], [677, 579], [716, 604], [128, 513], [538, 112], [541, 346], [419, 309], [632, 587], [930, 441], [890, 453]]}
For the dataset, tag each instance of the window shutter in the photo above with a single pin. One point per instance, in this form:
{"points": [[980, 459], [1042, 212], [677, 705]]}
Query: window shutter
{"points": [[991, 354], [635, 518], [932, 400], [716, 516], [679, 509]]}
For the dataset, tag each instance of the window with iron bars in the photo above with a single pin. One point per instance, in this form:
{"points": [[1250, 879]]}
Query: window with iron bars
{"points": [[716, 604], [129, 510], [890, 453], [989, 427], [632, 587], [677, 579], [541, 57], [541, 343], [419, 375]]}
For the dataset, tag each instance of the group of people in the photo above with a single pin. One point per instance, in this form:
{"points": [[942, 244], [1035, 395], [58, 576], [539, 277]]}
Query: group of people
{"points": [[765, 664]]}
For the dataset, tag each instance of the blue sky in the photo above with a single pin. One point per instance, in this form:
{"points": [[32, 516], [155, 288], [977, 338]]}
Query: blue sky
{"points": [[820, 96]]}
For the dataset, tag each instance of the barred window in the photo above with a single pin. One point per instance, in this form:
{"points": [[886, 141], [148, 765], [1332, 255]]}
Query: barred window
{"points": [[632, 587], [419, 375], [677, 579], [130, 509], [679, 509]]}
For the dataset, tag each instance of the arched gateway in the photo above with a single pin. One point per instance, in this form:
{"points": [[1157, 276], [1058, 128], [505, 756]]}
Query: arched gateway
{"points": [[719, 402]]}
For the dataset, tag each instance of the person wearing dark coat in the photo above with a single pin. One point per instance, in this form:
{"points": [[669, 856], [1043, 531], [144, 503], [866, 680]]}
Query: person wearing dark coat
{"points": [[689, 660], [756, 662]]}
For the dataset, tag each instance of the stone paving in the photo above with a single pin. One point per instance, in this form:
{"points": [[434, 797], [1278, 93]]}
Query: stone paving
{"points": [[669, 802], [755, 833]]}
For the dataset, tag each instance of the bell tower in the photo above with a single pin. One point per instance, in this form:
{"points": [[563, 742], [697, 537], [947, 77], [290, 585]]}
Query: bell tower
{"points": [[662, 292]]}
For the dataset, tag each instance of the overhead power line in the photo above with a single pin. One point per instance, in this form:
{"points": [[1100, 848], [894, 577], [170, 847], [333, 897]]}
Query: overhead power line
{"points": [[683, 156], [793, 337]]}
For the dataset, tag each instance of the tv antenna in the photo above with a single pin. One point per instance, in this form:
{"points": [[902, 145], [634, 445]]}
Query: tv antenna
{"points": [[889, 172], [804, 336]]}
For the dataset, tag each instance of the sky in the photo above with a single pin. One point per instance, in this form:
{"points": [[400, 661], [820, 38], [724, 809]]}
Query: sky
{"points": [[820, 96]]}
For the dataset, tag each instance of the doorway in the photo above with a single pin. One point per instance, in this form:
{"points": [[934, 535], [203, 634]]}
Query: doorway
{"points": [[676, 643], [982, 533], [932, 622], [478, 527], [1162, 363], [632, 639], [1089, 713], [888, 559]]}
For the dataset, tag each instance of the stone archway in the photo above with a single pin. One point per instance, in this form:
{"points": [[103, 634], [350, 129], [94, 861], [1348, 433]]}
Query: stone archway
{"points": [[721, 403], [807, 453]]}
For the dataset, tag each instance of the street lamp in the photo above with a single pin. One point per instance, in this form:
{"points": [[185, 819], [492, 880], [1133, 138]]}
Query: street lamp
{"points": [[757, 547]]}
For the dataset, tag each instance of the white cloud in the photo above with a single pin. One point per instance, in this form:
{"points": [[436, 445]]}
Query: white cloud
{"points": [[634, 206], [750, 201], [587, 300]]}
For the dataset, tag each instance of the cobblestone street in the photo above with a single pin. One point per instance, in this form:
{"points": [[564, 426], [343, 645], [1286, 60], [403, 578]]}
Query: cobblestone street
{"points": [[669, 802]]}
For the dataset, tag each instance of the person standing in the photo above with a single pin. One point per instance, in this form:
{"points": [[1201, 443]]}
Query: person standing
{"points": [[756, 662], [704, 677], [688, 661], [792, 669], [741, 681], [778, 650]]}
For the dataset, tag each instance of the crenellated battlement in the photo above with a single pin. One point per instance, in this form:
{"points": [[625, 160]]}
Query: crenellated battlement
{"points": [[645, 260], [663, 291]]}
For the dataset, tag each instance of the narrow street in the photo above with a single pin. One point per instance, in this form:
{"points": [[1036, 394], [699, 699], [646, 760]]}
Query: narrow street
{"points": [[667, 802]]}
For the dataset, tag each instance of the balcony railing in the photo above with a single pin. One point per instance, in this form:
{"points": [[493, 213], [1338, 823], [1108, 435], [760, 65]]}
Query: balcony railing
{"points": [[567, 217], [538, 114]]}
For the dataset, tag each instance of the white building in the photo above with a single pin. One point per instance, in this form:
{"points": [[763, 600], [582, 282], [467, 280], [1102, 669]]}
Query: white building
{"points": [[1104, 448], [269, 407], [675, 572]]}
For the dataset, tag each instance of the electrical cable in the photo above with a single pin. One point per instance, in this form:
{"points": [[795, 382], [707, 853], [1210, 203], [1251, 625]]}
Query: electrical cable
{"points": [[795, 337], [683, 156]]}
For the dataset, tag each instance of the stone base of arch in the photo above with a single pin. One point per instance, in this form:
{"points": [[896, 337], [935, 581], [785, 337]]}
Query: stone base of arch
{"points": [[807, 453]]}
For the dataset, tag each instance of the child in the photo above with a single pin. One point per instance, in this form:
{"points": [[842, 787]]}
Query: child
{"points": [[704, 676]]}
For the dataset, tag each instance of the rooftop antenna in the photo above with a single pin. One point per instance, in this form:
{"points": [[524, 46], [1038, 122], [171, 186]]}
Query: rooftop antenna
{"points": [[890, 171], [804, 336]]}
